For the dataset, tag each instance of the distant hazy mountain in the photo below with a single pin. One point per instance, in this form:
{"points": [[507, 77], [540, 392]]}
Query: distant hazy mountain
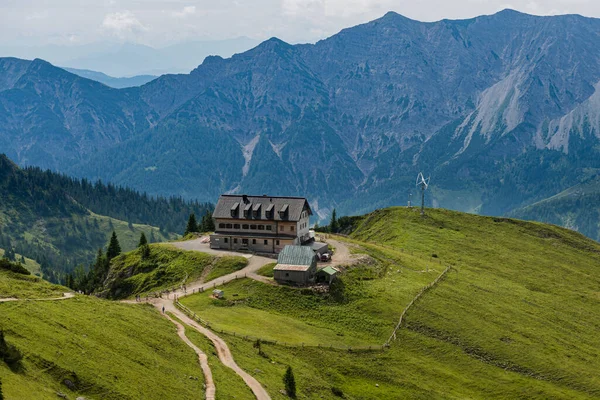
{"points": [[577, 208], [117, 83], [501, 110], [123, 60]]}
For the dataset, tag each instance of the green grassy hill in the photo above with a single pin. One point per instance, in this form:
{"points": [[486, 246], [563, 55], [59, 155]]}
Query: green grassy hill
{"points": [[90, 347], [517, 316], [165, 267], [576, 208], [31, 265]]}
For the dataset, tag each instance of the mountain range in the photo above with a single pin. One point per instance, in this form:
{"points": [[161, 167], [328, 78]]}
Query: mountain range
{"points": [[113, 82], [501, 111], [130, 59]]}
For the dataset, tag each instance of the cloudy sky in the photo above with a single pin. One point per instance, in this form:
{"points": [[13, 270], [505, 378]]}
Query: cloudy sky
{"points": [[161, 22]]}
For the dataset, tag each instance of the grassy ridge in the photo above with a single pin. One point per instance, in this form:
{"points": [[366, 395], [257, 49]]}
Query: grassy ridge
{"points": [[108, 350], [31, 265], [166, 267], [524, 296], [516, 317], [27, 287]]}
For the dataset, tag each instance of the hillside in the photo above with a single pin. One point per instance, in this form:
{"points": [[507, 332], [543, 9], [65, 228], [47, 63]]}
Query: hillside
{"points": [[61, 222], [346, 121], [576, 208], [516, 316], [165, 267], [91, 348]]}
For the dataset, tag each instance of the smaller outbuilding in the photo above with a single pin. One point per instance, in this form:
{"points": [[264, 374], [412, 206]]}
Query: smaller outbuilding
{"points": [[327, 274], [319, 247], [296, 265]]}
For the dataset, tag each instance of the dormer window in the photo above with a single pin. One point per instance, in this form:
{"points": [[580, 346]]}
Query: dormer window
{"points": [[269, 211], [235, 209], [247, 210], [256, 211], [284, 211]]}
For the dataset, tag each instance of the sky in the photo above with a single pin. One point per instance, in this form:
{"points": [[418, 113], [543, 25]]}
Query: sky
{"points": [[158, 23]]}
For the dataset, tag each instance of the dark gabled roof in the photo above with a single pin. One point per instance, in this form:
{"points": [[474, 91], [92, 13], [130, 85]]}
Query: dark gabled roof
{"points": [[296, 255], [293, 205]]}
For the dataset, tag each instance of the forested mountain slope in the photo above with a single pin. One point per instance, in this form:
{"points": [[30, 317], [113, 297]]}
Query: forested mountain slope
{"points": [[61, 222], [500, 110], [576, 208]]}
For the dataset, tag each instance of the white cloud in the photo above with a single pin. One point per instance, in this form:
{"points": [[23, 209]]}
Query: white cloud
{"points": [[122, 23], [186, 11]]}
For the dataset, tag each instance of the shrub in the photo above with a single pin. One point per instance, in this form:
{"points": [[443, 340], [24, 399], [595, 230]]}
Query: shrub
{"points": [[290, 383], [337, 392], [13, 267], [9, 353]]}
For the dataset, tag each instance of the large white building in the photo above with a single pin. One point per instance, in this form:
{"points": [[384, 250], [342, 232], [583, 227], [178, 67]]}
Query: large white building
{"points": [[262, 224]]}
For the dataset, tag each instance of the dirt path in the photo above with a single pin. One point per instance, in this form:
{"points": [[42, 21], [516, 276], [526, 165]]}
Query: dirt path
{"points": [[222, 349], [225, 356], [65, 297], [342, 255], [202, 358]]}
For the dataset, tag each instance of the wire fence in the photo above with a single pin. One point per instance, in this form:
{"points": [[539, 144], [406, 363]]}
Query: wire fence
{"points": [[421, 292]]}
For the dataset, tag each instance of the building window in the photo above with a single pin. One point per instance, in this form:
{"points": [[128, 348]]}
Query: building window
{"points": [[236, 226], [287, 274], [277, 243], [226, 240], [252, 226], [235, 240], [269, 227], [292, 227], [221, 226], [245, 226], [253, 241], [266, 242], [229, 226], [244, 241], [261, 227]]}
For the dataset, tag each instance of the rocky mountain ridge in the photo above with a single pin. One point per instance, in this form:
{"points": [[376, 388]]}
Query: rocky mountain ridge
{"points": [[499, 109]]}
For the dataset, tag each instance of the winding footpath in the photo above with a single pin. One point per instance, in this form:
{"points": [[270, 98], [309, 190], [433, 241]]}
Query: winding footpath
{"points": [[65, 297], [223, 352]]}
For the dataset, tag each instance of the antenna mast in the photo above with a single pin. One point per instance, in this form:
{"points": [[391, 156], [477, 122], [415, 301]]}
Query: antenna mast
{"points": [[423, 184]]}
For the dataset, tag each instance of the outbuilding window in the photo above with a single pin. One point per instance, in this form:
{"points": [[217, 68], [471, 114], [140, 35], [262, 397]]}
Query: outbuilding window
{"points": [[266, 242]]}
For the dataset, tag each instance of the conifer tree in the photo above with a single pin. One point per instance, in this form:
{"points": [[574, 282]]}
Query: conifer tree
{"points": [[114, 248], [334, 226], [22, 260], [290, 383], [1, 395], [192, 225], [143, 240]]}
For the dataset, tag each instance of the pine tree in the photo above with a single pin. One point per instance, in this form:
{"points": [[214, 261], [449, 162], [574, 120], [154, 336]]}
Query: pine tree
{"points": [[1, 395], [290, 383], [22, 260], [114, 248], [143, 240], [192, 225], [334, 226]]}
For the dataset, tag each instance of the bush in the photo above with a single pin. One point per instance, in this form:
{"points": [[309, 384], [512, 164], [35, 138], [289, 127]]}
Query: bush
{"points": [[13, 267], [290, 383], [337, 392], [9, 354]]}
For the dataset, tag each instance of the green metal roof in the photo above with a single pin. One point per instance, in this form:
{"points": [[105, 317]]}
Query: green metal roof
{"points": [[296, 255], [329, 270]]}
